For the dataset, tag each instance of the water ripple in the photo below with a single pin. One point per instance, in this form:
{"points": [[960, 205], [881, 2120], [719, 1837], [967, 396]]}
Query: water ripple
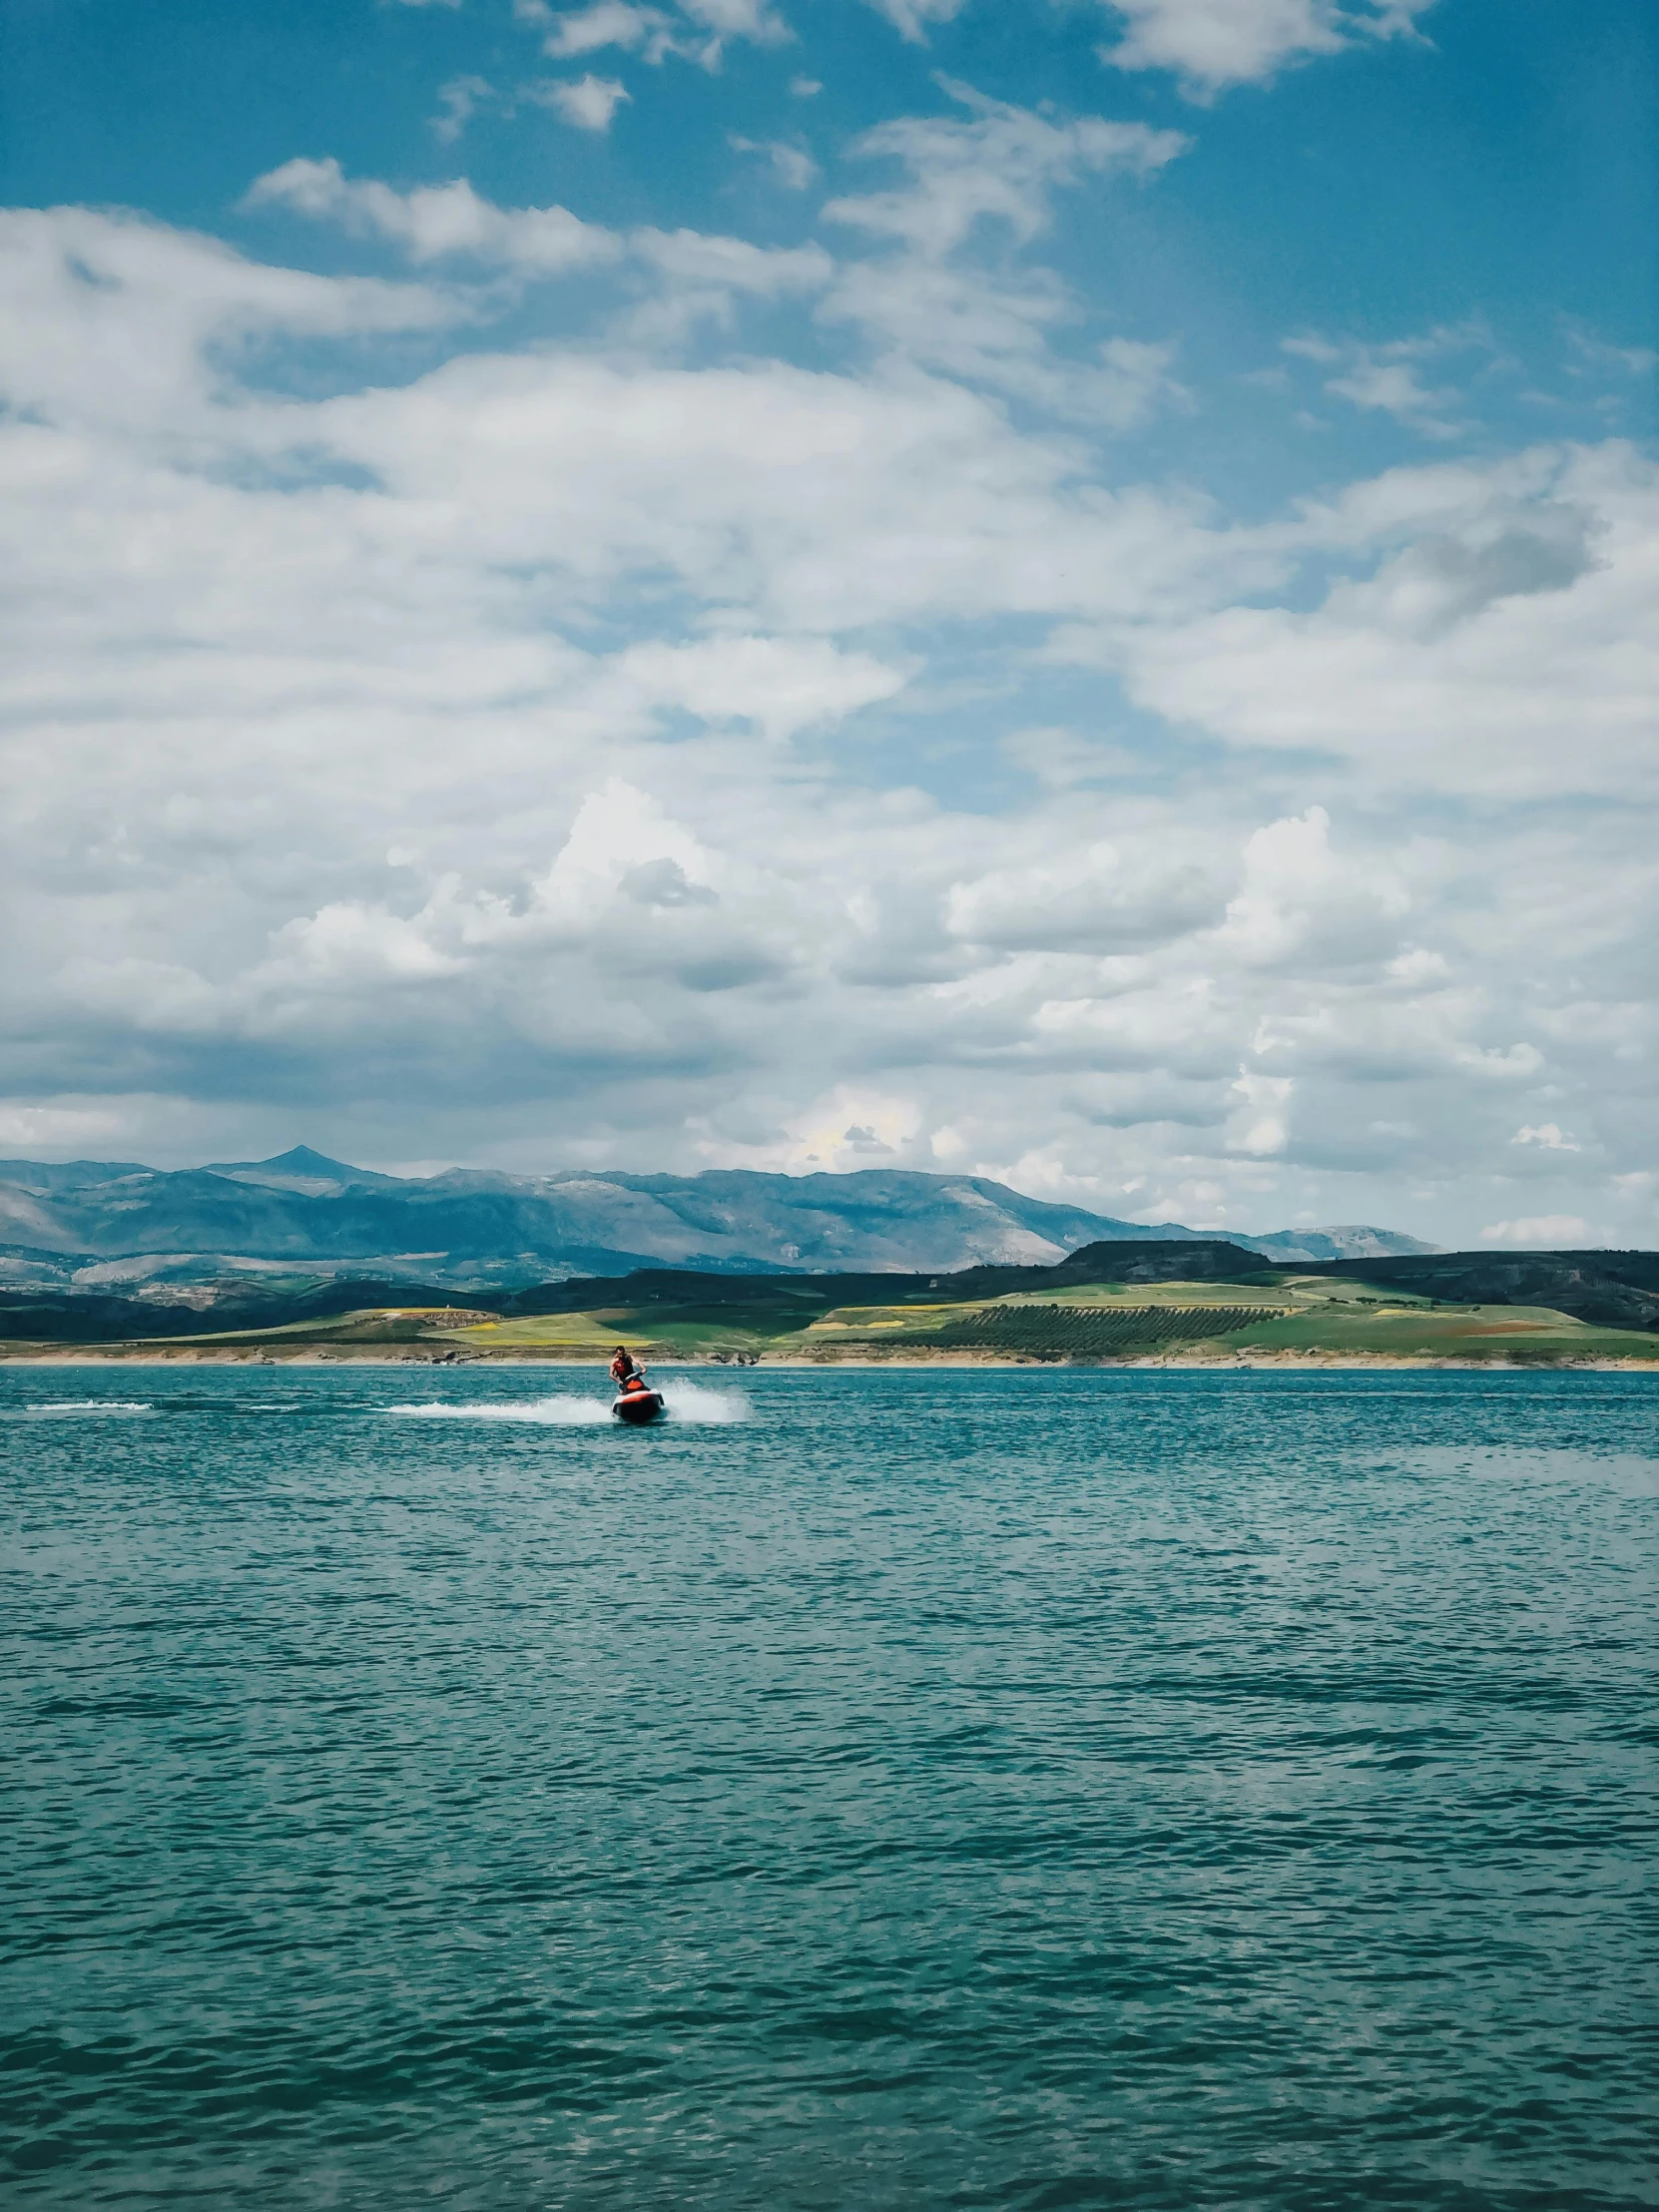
{"points": [[892, 1791]]}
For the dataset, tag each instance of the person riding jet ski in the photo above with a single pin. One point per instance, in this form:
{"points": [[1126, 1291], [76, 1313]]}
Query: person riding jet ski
{"points": [[635, 1401]]}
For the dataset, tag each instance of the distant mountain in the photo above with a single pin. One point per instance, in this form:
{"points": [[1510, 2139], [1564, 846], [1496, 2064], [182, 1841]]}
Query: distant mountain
{"points": [[1351, 1243], [309, 1174], [68, 1175], [104, 1225]]}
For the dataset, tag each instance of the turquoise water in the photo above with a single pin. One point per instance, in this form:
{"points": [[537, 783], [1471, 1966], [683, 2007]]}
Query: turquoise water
{"points": [[1020, 1789]]}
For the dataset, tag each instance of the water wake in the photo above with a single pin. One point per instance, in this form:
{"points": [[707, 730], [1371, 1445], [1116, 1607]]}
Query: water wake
{"points": [[543, 1413], [53, 1405], [696, 1403], [691, 1404]]}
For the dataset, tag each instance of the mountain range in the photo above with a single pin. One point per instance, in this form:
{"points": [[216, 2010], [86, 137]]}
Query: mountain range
{"points": [[100, 1225]]}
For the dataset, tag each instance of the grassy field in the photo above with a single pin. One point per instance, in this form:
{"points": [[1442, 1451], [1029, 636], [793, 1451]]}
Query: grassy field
{"points": [[1033, 1331], [1448, 1333]]}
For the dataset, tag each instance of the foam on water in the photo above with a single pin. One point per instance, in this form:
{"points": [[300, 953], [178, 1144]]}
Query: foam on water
{"points": [[544, 1412], [691, 1403], [54, 1405], [695, 1401]]}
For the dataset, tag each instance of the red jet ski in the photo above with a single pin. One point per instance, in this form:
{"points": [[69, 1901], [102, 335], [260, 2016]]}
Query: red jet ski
{"points": [[636, 1402]]}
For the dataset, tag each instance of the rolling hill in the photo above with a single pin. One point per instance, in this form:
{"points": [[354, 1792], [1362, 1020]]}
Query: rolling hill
{"points": [[1110, 1301]]}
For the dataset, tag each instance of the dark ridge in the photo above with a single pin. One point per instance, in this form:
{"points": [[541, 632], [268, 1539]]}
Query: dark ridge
{"points": [[1609, 1290]]}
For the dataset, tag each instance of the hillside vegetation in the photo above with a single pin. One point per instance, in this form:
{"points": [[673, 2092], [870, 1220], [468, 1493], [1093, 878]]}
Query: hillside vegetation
{"points": [[1109, 1301]]}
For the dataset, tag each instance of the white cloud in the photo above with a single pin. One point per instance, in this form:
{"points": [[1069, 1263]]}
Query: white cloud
{"points": [[647, 31], [1095, 899], [1498, 645], [996, 331], [1061, 759], [354, 942], [673, 677], [1539, 1233], [460, 99], [999, 164], [617, 831], [588, 102], [1388, 378], [744, 19], [434, 222], [697, 260], [181, 314], [780, 685], [911, 18], [1300, 898], [791, 166], [1132, 379], [1591, 353], [1394, 387], [1259, 1125], [932, 303], [1547, 1135], [37, 1129], [698, 31], [853, 1126], [694, 275], [1389, 387], [1210, 44], [818, 502]]}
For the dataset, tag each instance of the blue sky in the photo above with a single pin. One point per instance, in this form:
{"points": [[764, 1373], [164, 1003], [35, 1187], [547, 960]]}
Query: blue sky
{"points": [[1056, 591]]}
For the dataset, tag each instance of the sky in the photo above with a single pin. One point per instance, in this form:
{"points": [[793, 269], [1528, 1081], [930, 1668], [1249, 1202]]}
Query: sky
{"points": [[1032, 588]]}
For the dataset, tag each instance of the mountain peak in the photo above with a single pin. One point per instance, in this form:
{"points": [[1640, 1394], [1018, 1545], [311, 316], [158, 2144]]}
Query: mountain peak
{"points": [[299, 1158], [306, 1172]]}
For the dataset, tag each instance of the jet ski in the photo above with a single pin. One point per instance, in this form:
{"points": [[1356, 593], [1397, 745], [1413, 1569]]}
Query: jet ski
{"points": [[637, 1404]]}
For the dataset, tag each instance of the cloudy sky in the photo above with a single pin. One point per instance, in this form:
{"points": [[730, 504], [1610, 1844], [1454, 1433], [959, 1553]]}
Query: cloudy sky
{"points": [[1034, 587]]}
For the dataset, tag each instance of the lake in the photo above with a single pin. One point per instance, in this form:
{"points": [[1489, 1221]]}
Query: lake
{"points": [[1022, 1788]]}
